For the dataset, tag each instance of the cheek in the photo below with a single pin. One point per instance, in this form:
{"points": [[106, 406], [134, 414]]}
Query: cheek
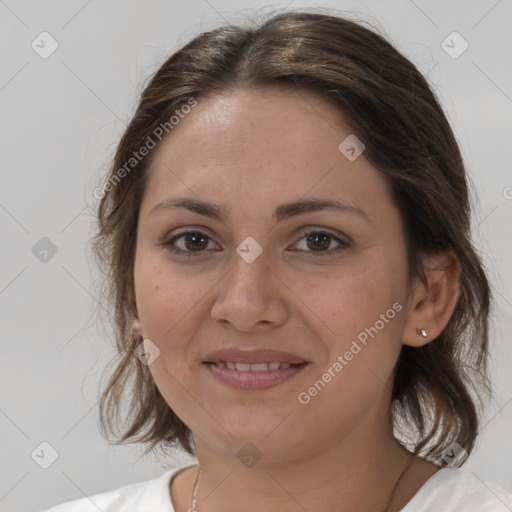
{"points": [[168, 303], [361, 315], [173, 303], [349, 302], [365, 320], [166, 296]]}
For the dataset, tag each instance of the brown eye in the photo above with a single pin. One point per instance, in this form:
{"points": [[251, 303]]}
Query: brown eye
{"points": [[319, 242], [196, 243], [195, 240], [188, 243]]}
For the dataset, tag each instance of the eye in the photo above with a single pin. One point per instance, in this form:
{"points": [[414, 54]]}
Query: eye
{"points": [[190, 241], [194, 243], [318, 241]]}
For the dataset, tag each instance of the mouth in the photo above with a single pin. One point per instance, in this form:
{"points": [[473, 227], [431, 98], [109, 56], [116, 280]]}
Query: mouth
{"points": [[253, 370], [253, 377], [254, 367], [254, 356]]}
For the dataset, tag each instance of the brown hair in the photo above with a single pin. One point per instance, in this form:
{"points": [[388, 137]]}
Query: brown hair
{"points": [[391, 108]]}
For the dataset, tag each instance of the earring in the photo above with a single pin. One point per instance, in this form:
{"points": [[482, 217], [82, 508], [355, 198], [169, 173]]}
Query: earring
{"points": [[136, 326], [422, 332]]}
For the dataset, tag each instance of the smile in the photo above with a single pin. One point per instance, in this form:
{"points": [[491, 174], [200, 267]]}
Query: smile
{"points": [[257, 367], [254, 376]]}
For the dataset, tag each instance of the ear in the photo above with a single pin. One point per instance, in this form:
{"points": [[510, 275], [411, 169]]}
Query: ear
{"points": [[432, 302]]}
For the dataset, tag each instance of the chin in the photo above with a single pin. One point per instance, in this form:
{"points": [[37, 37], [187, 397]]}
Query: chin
{"points": [[259, 444]]}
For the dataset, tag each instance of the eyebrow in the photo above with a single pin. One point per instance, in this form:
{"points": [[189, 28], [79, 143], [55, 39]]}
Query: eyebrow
{"points": [[282, 212]]}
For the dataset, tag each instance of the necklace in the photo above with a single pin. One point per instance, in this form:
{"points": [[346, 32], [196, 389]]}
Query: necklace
{"points": [[193, 504]]}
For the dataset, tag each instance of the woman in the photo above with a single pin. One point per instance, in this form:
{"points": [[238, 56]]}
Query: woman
{"points": [[285, 231]]}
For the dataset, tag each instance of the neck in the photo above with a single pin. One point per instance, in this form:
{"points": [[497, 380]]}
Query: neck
{"points": [[357, 473]]}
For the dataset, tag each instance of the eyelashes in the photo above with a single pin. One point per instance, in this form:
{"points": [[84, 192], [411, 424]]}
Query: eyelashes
{"points": [[324, 238], [198, 235]]}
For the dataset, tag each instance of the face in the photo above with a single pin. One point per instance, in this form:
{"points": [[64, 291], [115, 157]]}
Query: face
{"points": [[256, 272]]}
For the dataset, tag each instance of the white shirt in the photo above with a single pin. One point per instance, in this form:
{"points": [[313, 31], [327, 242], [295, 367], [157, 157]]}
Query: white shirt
{"points": [[448, 490]]}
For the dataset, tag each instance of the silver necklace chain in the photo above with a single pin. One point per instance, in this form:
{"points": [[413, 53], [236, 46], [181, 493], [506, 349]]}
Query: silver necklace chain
{"points": [[193, 504]]}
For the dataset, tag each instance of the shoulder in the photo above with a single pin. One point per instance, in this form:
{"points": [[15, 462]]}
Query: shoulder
{"points": [[462, 490], [147, 496]]}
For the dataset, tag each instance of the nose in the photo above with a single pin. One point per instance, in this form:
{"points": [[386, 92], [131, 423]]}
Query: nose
{"points": [[251, 296]]}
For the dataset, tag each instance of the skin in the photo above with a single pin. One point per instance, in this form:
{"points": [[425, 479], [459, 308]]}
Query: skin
{"points": [[249, 152]]}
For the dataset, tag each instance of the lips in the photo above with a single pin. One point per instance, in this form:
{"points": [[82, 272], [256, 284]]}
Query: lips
{"points": [[254, 356], [253, 370]]}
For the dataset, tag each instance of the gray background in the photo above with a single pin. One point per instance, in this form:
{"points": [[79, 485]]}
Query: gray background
{"points": [[61, 119]]}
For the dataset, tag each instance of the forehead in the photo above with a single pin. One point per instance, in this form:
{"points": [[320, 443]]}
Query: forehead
{"points": [[260, 145], [245, 118]]}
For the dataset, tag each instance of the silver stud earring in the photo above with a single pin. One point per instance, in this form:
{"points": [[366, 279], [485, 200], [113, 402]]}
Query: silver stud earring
{"points": [[422, 332]]}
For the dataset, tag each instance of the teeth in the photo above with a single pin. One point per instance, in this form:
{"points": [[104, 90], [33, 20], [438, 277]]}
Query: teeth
{"points": [[260, 367], [257, 367]]}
